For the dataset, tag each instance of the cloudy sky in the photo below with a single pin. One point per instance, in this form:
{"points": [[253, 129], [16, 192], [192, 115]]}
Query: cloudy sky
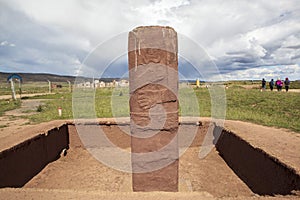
{"points": [[245, 39]]}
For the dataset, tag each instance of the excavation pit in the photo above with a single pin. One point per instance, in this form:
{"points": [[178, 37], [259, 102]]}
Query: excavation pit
{"points": [[233, 169]]}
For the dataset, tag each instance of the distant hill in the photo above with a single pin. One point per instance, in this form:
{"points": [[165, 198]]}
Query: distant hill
{"points": [[37, 77], [41, 77]]}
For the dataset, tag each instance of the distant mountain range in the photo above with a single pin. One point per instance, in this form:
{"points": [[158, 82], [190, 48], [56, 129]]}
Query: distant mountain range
{"points": [[41, 77]]}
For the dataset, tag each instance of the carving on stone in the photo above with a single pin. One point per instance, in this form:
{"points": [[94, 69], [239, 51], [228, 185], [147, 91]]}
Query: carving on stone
{"points": [[171, 58], [153, 85], [149, 98], [151, 56], [152, 74]]}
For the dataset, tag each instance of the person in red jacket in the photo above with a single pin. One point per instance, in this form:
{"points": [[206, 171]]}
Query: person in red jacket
{"points": [[279, 84]]}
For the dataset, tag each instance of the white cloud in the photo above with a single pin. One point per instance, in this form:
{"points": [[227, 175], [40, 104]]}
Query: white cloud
{"points": [[161, 12], [242, 37], [267, 72], [6, 43]]}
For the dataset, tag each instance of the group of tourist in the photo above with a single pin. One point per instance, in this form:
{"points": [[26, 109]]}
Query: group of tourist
{"points": [[278, 84]]}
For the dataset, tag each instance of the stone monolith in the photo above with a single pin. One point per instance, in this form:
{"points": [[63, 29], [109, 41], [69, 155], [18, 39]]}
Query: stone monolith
{"points": [[153, 85]]}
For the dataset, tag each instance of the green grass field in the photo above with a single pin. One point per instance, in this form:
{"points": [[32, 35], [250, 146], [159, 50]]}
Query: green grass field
{"points": [[278, 109], [6, 105], [32, 87]]}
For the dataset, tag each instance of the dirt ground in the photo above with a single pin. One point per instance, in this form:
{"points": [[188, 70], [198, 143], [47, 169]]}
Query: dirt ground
{"points": [[23, 95], [14, 118], [80, 176], [280, 143], [258, 86], [80, 171]]}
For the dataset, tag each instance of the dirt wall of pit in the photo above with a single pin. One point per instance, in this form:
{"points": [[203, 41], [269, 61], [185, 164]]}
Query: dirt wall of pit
{"points": [[263, 173], [22, 162]]}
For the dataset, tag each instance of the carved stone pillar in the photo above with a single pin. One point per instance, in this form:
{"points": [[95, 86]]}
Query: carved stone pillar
{"points": [[153, 82]]}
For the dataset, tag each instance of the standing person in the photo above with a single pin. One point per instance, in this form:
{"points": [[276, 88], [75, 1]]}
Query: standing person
{"points": [[271, 84], [287, 84], [263, 84], [279, 84]]}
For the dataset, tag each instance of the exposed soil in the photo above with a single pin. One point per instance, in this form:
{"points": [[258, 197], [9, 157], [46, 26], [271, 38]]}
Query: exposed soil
{"points": [[280, 143], [27, 107], [23, 95], [13, 119], [79, 175], [80, 171], [14, 135]]}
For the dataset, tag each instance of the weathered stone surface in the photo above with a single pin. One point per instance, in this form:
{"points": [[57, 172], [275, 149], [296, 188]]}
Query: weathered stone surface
{"points": [[165, 179], [153, 73], [157, 140]]}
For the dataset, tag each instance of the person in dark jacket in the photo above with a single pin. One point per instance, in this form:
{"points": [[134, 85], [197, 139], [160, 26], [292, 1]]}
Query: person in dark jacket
{"points": [[287, 84], [271, 84], [263, 84]]}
